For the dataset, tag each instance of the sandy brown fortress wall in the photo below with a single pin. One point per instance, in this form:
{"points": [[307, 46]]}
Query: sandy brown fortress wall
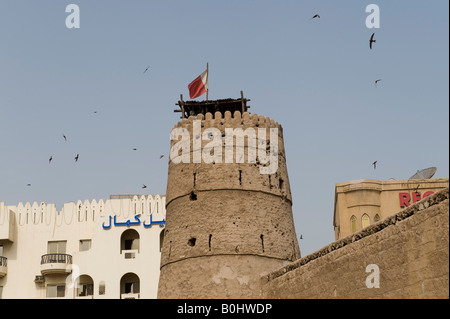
{"points": [[226, 223], [411, 249]]}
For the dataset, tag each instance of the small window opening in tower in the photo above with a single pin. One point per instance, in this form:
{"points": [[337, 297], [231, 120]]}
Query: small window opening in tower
{"points": [[193, 196], [281, 184], [262, 242], [209, 242], [195, 176], [191, 241], [240, 177]]}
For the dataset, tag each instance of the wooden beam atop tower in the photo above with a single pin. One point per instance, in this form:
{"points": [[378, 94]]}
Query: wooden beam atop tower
{"points": [[188, 108]]}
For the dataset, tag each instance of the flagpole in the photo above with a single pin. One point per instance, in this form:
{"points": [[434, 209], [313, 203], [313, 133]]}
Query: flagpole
{"points": [[207, 80]]}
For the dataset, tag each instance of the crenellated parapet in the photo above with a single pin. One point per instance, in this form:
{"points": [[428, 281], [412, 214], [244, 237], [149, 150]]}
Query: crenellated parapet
{"points": [[245, 145], [236, 120], [83, 211]]}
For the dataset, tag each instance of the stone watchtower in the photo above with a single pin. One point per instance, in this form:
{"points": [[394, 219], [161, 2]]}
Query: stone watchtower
{"points": [[227, 221]]}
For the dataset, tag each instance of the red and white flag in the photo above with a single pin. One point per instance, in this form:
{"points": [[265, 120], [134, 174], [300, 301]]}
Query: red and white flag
{"points": [[199, 86]]}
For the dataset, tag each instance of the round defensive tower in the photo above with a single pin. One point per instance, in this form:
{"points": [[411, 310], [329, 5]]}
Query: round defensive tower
{"points": [[226, 223]]}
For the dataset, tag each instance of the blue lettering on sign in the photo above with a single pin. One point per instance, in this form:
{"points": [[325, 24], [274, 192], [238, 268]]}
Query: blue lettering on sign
{"points": [[129, 223]]}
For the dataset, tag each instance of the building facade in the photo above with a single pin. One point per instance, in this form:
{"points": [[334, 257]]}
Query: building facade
{"points": [[92, 249], [360, 203]]}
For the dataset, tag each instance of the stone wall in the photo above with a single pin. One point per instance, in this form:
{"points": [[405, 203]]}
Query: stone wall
{"points": [[410, 249], [226, 223]]}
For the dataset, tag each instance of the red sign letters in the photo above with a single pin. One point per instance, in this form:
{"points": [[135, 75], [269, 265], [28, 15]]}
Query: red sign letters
{"points": [[405, 198]]}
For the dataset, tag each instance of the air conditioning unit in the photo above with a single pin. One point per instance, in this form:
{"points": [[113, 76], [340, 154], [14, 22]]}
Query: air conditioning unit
{"points": [[39, 279]]}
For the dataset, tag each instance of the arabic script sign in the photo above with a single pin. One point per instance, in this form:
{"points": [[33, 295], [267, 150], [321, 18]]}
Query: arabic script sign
{"points": [[129, 223]]}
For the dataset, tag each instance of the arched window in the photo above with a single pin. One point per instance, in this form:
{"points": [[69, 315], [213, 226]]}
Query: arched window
{"points": [[84, 287], [130, 286], [353, 224], [376, 218], [365, 221], [129, 243]]}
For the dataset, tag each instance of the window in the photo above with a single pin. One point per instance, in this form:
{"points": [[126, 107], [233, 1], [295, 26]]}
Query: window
{"points": [[132, 287], [85, 244], [56, 291], [129, 286], [376, 218], [161, 239], [129, 243], [101, 288], [365, 220], [56, 247], [353, 224], [85, 290], [84, 286]]}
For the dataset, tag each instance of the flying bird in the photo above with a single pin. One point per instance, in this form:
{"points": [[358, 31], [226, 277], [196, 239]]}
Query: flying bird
{"points": [[301, 236], [374, 164], [144, 186], [65, 138], [76, 157], [315, 16], [161, 156], [376, 81], [28, 184], [146, 69], [372, 40], [134, 149], [50, 159]]}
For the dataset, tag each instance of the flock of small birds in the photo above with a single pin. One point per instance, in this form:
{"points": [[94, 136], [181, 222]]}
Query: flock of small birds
{"points": [[51, 157], [316, 16], [371, 42], [76, 158]]}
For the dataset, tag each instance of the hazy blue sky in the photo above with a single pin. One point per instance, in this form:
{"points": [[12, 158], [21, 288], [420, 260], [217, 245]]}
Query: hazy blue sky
{"points": [[315, 77]]}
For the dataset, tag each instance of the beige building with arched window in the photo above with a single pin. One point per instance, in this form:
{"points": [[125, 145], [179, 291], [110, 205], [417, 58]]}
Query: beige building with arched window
{"points": [[360, 203], [92, 249]]}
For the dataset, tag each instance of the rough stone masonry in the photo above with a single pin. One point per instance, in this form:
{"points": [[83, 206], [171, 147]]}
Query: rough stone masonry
{"points": [[411, 249]]}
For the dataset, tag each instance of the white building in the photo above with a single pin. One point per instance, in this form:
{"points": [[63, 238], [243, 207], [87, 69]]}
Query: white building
{"points": [[106, 249]]}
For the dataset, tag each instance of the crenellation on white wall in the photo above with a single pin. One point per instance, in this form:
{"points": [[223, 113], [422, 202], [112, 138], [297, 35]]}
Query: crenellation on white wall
{"points": [[85, 211]]}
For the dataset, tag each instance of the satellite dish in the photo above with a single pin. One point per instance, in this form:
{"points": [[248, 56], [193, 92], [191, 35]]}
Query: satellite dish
{"points": [[424, 173]]}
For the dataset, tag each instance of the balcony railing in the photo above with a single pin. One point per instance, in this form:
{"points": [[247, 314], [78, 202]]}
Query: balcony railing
{"points": [[56, 258], [56, 264], [3, 266], [130, 253], [130, 295]]}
